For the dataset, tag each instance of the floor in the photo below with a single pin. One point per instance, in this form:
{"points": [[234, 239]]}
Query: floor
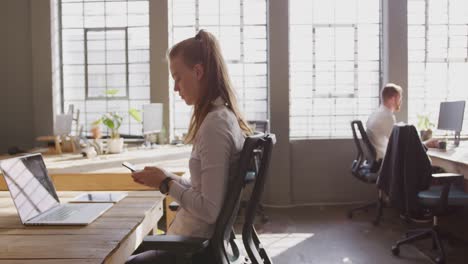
{"points": [[324, 235]]}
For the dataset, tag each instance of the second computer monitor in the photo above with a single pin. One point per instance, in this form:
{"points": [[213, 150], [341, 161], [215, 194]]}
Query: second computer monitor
{"points": [[152, 118], [451, 117]]}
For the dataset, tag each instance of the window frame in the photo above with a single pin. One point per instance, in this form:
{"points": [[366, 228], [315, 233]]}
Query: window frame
{"points": [[127, 89], [60, 106], [381, 75], [241, 61]]}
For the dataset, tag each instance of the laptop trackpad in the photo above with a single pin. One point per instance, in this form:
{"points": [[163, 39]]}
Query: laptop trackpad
{"points": [[71, 214]]}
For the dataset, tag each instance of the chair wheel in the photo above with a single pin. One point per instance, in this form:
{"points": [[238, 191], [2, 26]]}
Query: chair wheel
{"points": [[395, 250], [376, 222], [439, 260], [350, 215]]}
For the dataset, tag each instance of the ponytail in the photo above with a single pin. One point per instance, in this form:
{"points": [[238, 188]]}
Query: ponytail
{"points": [[204, 49]]}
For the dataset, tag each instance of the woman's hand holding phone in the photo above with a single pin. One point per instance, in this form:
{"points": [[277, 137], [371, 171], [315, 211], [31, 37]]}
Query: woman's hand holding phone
{"points": [[149, 176], [129, 166]]}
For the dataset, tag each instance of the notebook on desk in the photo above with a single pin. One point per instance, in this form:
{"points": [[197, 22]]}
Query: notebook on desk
{"points": [[99, 197], [35, 198]]}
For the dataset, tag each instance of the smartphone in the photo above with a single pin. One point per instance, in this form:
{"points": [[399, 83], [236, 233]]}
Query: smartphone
{"points": [[129, 166]]}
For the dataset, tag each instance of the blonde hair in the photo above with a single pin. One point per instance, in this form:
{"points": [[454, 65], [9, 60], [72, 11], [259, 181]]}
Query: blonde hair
{"points": [[204, 49], [390, 90]]}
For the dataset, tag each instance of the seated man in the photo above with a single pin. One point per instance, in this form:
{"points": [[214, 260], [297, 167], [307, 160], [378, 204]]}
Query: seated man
{"points": [[381, 121]]}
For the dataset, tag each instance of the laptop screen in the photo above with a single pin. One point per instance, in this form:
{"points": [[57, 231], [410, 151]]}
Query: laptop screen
{"points": [[30, 186]]}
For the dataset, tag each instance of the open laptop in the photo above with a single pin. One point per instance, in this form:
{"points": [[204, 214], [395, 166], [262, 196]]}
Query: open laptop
{"points": [[35, 198]]}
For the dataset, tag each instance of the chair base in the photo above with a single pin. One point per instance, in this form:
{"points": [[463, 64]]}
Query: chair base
{"points": [[378, 205], [420, 234], [364, 207]]}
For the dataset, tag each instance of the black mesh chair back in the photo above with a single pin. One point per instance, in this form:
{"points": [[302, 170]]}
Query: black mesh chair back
{"points": [[221, 248], [366, 159], [257, 174], [252, 157], [365, 167]]}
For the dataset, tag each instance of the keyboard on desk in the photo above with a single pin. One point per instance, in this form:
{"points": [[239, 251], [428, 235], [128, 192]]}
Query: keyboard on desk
{"points": [[63, 213]]}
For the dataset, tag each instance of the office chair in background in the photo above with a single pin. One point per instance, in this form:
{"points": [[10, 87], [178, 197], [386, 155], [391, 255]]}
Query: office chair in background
{"points": [[406, 178], [252, 168], [365, 167], [262, 126]]}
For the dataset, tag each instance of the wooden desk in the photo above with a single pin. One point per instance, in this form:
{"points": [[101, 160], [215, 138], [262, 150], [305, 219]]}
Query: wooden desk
{"points": [[109, 239], [72, 172], [452, 160]]}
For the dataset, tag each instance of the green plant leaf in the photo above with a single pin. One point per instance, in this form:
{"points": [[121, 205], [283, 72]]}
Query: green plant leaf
{"points": [[112, 92], [136, 114], [424, 123], [109, 123], [97, 122], [112, 121]]}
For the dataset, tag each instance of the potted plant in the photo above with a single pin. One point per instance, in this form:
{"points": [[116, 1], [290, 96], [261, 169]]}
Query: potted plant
{"points": [[113, 121], [424, 126]]}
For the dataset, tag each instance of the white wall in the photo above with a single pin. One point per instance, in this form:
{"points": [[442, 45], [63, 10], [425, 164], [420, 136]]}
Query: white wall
{"points": [[16, 103]]}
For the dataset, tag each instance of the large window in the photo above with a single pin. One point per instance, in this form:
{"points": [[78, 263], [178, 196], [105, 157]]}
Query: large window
{"points": [[105, 58], [335, 71], [437, 55], [241, 28]]}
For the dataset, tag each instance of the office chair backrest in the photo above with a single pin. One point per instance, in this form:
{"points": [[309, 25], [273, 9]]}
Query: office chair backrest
{"points": [[242, 174], [366, 154], [257, 174], [406, 170]]}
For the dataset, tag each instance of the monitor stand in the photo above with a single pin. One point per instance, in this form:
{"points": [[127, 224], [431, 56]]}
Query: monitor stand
{"points": [[456, 142]]}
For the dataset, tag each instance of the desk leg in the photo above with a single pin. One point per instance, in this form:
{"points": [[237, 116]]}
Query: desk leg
{"points": [[58, 148], [170, 215]]}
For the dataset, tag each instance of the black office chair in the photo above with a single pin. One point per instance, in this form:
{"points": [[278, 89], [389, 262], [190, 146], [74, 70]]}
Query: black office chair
{"points": [[221, 248], [406, 178], [259, 127], [252, 244], [365, 167]]}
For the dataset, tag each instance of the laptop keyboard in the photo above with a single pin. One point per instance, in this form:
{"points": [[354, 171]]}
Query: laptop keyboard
{"points": [[61, 214]]}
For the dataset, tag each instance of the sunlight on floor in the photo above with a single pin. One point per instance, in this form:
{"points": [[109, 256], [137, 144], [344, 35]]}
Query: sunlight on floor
{"points": [[276, 244]]}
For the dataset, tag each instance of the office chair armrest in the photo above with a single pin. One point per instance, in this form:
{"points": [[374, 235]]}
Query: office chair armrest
{"points": [[447, 177], [183, 244], [174, 206]]}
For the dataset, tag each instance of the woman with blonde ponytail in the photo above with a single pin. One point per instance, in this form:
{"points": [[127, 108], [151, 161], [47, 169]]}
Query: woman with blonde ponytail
{"points": [[217, 131]]}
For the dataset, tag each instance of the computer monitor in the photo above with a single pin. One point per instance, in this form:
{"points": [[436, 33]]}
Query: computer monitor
{"points": [[152, 118], [451, 118], [63, 124]]}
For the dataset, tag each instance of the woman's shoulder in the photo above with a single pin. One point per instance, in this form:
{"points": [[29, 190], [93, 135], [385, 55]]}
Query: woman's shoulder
{"points": [[220, 116], [221, 125], [220, 121]]}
